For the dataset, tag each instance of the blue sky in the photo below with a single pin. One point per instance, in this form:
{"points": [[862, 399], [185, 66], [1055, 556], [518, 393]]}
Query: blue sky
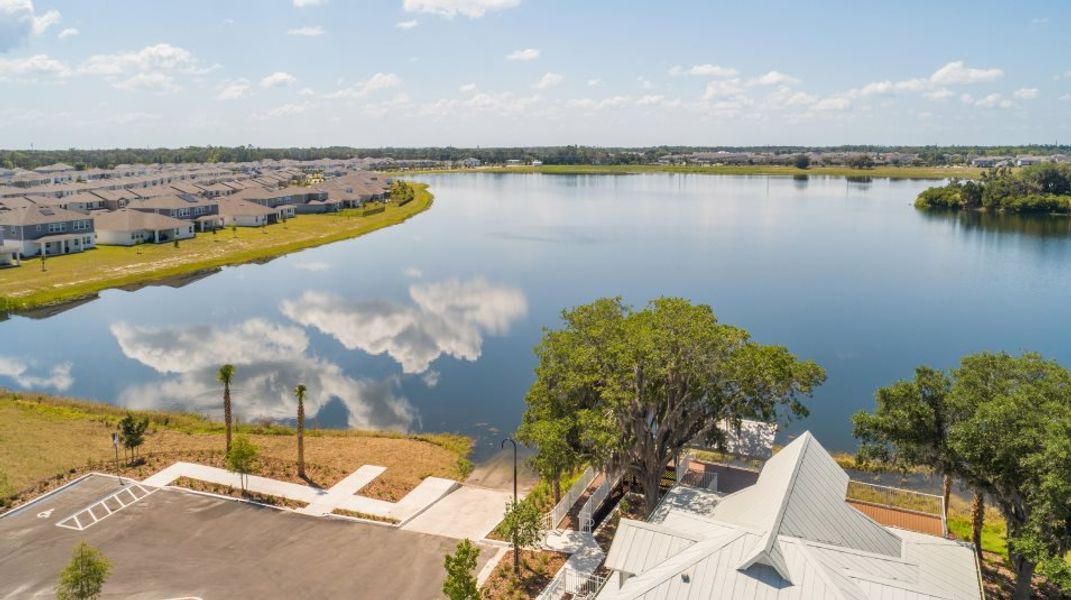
{"points": [[95, 73]]}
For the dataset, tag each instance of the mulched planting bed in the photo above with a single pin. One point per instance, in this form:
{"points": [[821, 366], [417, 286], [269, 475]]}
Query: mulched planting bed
{"points": [[226, 490], [538, 568]]}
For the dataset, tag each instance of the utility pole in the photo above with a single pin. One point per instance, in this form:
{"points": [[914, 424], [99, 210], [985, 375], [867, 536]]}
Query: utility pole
{"points": [[516, 550]]}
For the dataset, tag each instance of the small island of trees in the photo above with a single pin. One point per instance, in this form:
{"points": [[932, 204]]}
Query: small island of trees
{"points": [[1042, 188]]}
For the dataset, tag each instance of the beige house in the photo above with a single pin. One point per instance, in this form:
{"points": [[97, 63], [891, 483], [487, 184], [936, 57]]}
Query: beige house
{"points": [[127, 227]]}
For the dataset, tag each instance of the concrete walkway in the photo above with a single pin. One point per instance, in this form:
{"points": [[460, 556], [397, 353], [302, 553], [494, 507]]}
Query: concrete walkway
{"points": [[469, 512], [320, 501], [585, 556]]}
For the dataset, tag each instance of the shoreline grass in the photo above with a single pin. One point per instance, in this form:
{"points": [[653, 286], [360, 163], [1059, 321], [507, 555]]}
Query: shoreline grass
{"points": [[46, 441], [929, 173], [74, 277]]}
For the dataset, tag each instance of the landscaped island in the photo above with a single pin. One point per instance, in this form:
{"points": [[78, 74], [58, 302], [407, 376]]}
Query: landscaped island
{"points": [[1043, 188], [46, 441], [75, 276]]}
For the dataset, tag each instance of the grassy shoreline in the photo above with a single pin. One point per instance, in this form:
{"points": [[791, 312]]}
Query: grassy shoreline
{"points": [[934, 173], [46, 441], [76, 277]]}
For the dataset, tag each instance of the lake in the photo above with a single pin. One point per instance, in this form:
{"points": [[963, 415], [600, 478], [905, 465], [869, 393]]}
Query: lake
{"points": [[430, 325]]}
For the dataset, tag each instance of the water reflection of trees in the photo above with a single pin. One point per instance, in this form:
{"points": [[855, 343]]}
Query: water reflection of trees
{"points": [[984, 221]]}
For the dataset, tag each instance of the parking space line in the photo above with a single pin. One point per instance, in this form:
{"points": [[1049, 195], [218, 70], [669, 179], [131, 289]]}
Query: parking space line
{"points": [[75, 521]]}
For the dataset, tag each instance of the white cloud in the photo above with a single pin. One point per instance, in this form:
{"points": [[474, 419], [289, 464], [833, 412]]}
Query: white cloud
{"points": [[833, 104], [891, 87], [268, 359], [413, 272], [32, 67], [468, 88], [308, 3], [157, 57], [939, 94], [19, 20], [306, 31], [594, 82], [773, 78], [958, 73], [451, 8], [306, 92], [650, 100], [407, 24], [378, 81], [278, 79], [549, 80], [66, 33], [448, 318], [232, 90], [722, 89], [280, 112], [1026, 93], [1065, 98], [706, 70], [431, 378], [157, 83], [993, 100], [58, 378], [526, 54], [591, 104]]}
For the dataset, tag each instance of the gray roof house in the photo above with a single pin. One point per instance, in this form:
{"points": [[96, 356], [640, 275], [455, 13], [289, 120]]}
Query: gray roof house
{"points": [[790, 536], [45, 230], [204, 211], [126, 227]]}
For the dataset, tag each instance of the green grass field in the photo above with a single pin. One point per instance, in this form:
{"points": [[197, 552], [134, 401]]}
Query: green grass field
{"points": [[883, 172], [76, 276]]}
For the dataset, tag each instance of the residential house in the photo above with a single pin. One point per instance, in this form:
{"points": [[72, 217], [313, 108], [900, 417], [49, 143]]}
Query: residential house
{"points": [[790, 535], [126, 227], [35, 230], [237, 212], [202, 211]]}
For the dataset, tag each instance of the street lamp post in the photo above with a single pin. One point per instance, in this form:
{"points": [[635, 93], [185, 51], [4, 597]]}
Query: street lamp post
{"points": [[516, 551], [115, 443]]}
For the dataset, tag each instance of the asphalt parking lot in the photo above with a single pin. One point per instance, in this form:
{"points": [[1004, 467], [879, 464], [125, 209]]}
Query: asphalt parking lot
{"points": [[175, 544]]}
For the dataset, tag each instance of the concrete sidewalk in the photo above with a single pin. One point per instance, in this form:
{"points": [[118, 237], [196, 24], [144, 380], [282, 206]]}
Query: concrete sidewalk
{"points": [[320, 501], [469, 512]]}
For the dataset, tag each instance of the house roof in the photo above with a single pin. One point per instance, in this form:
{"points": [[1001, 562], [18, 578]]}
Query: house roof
{"points": [[126, 219], [237, 207], [791, 536], [38, 215]]}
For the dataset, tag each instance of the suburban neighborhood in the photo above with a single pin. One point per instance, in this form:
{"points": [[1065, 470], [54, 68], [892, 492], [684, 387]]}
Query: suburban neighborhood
{"points": [[56, 209]]}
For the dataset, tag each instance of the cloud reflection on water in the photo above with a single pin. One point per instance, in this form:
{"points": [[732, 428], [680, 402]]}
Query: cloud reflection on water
{"points": [[450, 317], [270, 359]]}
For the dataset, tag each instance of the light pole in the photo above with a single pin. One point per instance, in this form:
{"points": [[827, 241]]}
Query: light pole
{"points": [[516, 552]]}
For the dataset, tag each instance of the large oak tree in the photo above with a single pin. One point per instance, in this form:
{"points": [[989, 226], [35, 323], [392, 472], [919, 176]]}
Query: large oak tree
{"points": [[1006, 431], [629, 389]]}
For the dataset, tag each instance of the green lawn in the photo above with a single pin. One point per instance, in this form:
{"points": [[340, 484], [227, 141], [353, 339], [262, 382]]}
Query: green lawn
{"points": [[76, 276], [885, 172]]}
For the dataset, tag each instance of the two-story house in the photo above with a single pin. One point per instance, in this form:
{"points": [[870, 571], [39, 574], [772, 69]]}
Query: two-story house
{"points": [[45, 230]]}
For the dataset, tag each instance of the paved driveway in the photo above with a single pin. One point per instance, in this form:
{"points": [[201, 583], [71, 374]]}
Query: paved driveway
{"points": [[175, 544]]}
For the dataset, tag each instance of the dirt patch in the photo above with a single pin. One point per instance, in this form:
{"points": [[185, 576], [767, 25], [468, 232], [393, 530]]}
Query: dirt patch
{"points": [[226, 490], [538, 568], [367, 516]]}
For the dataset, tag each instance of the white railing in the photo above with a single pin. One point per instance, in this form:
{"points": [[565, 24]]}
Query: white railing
{"points": [[601, 493], [683, 464], [567, 581], [569, 498], [899, 499]]}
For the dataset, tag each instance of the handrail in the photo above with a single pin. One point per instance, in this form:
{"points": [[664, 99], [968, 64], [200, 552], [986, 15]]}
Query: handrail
{"points": [[569, 498], [587, 512]]}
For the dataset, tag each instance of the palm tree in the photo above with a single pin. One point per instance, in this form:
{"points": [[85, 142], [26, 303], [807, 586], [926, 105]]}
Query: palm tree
{"points": [[299, 393], [226, 373]]}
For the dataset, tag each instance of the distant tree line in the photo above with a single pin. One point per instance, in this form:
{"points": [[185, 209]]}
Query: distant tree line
{"points": [[1039, 188], [551, 155]]}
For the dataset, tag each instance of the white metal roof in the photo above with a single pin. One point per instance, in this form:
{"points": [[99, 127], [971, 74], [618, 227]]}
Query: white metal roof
{"points": [[791, 536]]}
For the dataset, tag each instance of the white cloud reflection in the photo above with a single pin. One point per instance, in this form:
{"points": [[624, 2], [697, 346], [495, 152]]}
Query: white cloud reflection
{"points": [[269, 361], [449, 318], [58, 377]]}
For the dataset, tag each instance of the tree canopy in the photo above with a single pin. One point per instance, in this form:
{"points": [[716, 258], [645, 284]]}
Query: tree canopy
{"points": [[83, 578], [1044, 187], [1005, 429], [460, 583], [628, 389]]}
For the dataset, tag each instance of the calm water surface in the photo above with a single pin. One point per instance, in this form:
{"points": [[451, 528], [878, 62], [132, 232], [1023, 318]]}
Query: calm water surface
{"points": [[430, 325]]}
